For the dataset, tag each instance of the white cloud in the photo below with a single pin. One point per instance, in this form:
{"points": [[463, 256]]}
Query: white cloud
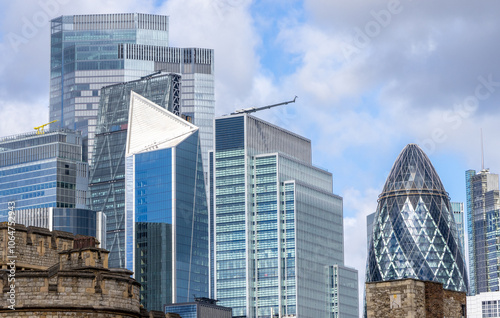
{"points": [[18, 117], [361, 204], [226, 27]]}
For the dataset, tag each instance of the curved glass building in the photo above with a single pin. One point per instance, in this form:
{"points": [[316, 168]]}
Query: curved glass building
{"points": [[414, 233]]}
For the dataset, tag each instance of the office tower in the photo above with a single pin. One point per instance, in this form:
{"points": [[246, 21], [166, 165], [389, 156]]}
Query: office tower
{"points": [[77, 221], [96, 50], [369, 229], [458, 214], [343, 288], [42, 171], [166, 209], [107, 173], [277, 223], [483, 208], [414, 232]]}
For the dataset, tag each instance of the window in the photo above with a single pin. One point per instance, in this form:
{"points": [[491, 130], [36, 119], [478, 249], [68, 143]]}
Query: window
{"points": [[490, 309]]}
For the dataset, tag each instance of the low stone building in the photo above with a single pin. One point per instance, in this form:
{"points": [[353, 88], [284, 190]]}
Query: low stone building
{"points": [[202, 307], [411, 298], [53, 274]]}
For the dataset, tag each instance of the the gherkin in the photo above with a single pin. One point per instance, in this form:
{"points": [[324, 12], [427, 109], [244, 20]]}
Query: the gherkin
{"points": [[414, 233]]}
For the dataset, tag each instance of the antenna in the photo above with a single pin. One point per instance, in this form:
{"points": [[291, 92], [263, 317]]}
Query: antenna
{"points": [[482, 150]]}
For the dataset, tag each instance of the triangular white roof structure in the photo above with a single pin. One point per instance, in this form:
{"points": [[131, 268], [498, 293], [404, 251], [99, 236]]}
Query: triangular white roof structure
{"points": [[151, 127]]}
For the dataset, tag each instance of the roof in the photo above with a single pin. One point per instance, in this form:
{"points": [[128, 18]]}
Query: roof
{"points": [[152, 127]]}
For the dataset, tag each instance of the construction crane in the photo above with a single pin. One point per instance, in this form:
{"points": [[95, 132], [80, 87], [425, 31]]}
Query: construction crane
{"points": [[256, 109], [40, 130]]}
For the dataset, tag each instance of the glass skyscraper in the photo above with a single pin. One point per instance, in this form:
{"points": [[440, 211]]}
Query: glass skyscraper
{"points": [[166, 209], [92, 51], [414, 233], [275, 224], [483, 207], [107, 173], [458, 214], [42, 171]]}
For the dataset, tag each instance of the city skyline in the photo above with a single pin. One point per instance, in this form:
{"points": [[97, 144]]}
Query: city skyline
{"points": [[359, 101]]}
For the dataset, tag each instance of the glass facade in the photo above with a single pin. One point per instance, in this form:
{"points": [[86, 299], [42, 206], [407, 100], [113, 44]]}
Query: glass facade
{"points": [[414, 232], [277, 223], [42, 171], [470, 231], [77, 221], [458, 214], [211, 226], [483, 206], [92, 51], [166, 209], [343, 290], [107, 172]]}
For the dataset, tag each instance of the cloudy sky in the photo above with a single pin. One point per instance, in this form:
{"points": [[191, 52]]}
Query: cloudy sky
{"points": [[370, 76]]}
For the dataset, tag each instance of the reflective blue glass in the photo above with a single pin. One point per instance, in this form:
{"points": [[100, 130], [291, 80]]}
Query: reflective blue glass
{"points": [[470, 230], [42, 170], [167, 200], [76, 221], [414, 232]]}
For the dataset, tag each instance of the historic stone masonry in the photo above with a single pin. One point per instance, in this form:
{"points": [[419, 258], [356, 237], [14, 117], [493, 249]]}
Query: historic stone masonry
{"points": [[412, 298], [55, 279]]}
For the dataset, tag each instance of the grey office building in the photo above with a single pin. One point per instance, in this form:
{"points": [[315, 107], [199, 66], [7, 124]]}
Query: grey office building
{"points": [[200, 308], [277, 224]]}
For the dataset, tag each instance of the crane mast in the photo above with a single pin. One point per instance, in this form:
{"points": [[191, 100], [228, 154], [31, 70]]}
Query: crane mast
{"points": [[40, 130], [256, 109]]}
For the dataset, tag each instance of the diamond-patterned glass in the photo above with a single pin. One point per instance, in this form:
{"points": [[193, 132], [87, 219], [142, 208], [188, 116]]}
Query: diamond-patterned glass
{"points": [[414, 233]]}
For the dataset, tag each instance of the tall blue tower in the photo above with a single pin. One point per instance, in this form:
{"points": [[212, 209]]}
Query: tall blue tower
{"points": [[165, 206]]}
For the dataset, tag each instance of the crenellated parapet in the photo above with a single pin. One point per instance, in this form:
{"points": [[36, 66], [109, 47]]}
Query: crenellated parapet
{"points": [[34, 247], [52, 278]]}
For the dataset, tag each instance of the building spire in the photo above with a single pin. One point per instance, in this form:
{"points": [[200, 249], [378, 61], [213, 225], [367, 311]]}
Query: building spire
{"points": [[482, 150]]}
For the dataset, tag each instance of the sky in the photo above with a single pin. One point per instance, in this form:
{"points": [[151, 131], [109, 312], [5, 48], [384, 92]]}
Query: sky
{"points": [[370, 76]]}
